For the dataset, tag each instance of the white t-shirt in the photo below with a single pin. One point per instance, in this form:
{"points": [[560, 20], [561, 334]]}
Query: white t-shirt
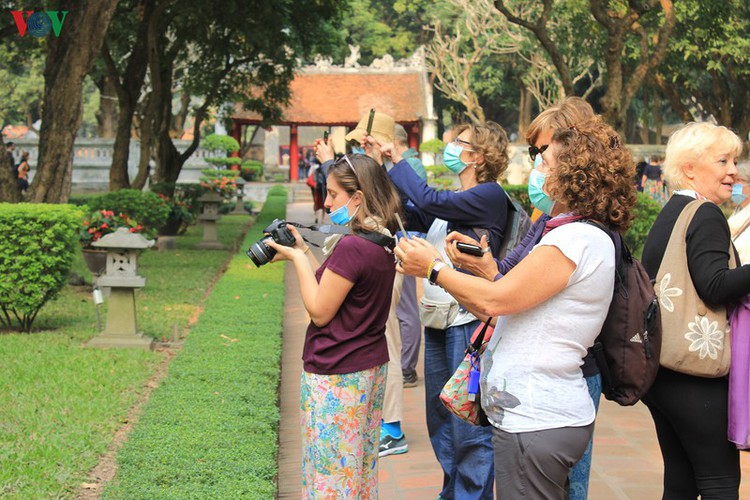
{"points": [[436, 236], [531, 371]]}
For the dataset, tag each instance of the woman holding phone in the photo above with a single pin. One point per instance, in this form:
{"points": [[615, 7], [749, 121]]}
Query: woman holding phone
{"points": [[345, 353], [478, 155]]}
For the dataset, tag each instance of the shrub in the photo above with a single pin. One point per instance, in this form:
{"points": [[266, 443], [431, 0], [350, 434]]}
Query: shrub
{"points": [[36, 253], [277, 191], [104, 222], [182, 200], [432, 146], [252, 170], [144, 207], [520, 194], [219, 181], [645, 212], [225, 143]]}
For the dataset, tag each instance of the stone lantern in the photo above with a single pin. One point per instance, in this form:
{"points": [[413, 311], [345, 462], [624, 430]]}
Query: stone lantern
{"points": [[239, 208], [121, 276], [211, 202]]}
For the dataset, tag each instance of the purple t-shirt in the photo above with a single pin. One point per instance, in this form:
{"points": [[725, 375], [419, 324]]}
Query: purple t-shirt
{"points": [[354, 340]]}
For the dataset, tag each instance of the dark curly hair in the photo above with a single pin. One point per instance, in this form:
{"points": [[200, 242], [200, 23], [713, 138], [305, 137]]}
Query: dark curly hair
{"points": [[594, 174], [490, 140]]}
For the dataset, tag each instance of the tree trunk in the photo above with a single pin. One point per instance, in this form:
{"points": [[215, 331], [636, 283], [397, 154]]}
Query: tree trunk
{"points": [[524, 113], [128, 91], [106, 117], [9, 192], [69, 59], [658, 121]]}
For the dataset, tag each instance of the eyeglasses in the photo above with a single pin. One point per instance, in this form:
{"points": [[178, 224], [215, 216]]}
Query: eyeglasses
{"points": [[462, 144], [533, 151]]}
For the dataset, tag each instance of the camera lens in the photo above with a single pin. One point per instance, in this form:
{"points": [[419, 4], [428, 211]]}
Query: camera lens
{"points": [[260, 253]]}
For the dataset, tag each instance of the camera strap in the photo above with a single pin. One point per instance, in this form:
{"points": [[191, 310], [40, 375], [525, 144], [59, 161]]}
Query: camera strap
{"points": [[387, 242]]}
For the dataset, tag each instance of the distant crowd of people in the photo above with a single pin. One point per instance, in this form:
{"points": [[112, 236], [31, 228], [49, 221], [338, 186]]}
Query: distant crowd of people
{"points": [[547, 298]]}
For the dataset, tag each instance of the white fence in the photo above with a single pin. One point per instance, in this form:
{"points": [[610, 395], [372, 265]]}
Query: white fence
{"points": [[92, 159]]}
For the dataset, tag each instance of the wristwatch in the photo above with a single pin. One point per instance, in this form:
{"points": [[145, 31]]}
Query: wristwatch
{"points": [[434, 272]]}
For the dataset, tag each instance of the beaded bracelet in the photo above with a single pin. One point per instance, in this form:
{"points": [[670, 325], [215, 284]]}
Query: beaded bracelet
{"points": [[432, 264]]}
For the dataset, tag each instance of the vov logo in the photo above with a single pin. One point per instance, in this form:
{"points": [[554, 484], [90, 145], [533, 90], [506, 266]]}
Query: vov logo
{"points": [[39, 23]]}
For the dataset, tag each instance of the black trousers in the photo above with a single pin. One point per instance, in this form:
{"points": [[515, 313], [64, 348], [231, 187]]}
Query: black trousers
{"points": [[690, 414]]}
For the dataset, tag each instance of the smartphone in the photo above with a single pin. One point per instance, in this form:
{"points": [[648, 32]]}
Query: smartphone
{"points": [[469, 248], [401, 226], [369, 121], [325, 137]]}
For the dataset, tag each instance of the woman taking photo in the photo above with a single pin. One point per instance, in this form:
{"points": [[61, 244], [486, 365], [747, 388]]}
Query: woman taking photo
{"points": [[478, 155], [345, 353], [689, 411], [551, 307]]}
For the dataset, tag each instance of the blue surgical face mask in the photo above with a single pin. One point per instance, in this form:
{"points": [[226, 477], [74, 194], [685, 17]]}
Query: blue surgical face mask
{"points": [[537, 160], [452, 158], [358, 150], [341, 216], [536, 191], [737, 195]]}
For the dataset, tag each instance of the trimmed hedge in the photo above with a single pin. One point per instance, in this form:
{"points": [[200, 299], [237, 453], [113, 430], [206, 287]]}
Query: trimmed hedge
{"points": [[36, 253], [211, 429], [645, 212], [145, 207]]}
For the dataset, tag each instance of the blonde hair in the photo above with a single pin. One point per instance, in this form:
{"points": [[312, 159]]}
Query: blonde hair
{"points": [[690, 143], [491, 141], [566, 113]]}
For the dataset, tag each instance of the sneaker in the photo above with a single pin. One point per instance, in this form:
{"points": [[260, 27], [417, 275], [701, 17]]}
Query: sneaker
{"points": [[389, 445], [410, 379]]}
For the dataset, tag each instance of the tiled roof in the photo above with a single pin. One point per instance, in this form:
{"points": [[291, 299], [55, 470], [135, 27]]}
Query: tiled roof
{"points": [[343, 98]]}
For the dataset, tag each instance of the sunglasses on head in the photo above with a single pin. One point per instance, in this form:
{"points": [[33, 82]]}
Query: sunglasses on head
{"points": [[533, 151]]}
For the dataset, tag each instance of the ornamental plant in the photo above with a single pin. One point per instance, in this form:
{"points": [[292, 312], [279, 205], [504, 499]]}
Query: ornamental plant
{"points": [[36, 254], [103, 222], [143, 206], [219, 181]]}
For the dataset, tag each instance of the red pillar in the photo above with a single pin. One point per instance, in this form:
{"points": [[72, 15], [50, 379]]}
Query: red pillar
{"points": [[414, 137], [293, 153], [237, 134]]}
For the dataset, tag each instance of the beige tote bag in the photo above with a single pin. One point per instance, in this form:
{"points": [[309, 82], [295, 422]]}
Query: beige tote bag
{"points": [[695, 336]]}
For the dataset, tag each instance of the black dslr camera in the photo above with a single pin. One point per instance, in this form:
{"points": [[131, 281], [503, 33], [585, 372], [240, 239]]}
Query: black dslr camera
{"points": [[260, 253]]}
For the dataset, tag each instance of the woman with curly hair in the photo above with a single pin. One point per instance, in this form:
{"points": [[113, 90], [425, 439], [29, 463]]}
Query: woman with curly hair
{"points": [[478, 155], [551, 307]]}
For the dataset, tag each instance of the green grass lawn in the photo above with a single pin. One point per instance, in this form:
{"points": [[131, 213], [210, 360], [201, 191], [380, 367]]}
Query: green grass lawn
{"points": [[60, 402], [211, 429]]}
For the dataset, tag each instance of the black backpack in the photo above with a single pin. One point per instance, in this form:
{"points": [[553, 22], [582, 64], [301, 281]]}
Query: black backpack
{"points": [[628, 347], [516, 227]]}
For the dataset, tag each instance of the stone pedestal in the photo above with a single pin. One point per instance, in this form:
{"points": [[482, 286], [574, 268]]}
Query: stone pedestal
{"points": [[122, 323], [208, 218], [121, 277]]}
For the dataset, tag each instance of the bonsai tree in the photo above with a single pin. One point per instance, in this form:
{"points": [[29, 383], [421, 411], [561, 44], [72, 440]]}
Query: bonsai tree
{"points": [[226, 145]]}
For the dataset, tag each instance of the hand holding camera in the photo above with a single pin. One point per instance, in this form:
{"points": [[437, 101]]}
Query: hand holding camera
{"points": [[280, 243]]}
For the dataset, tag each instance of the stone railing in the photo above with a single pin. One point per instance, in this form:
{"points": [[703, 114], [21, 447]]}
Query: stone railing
{"points": [[92, 159]]}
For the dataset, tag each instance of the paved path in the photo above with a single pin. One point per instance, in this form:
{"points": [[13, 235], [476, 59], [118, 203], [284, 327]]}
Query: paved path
{"points": [[627, 463]]}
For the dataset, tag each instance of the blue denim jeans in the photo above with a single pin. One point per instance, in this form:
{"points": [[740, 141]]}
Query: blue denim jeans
{"points": [[464, 451], [578, 478]]}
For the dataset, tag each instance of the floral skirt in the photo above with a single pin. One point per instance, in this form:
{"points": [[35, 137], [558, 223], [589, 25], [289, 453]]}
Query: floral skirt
{"points": [[656, 190], [341, 433]]}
